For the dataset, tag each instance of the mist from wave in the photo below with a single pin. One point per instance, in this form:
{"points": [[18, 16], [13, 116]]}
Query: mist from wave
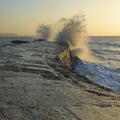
{"points": [[71, 31]]}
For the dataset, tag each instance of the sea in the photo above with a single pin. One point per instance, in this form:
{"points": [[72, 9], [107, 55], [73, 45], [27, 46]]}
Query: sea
{"points": [[104, 71]]}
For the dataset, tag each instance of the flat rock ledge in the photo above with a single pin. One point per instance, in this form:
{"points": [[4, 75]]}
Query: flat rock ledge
{"points": [[35, 85]]}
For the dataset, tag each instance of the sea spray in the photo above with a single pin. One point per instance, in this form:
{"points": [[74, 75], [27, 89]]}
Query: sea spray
{"points": [[43, 31], [75, 34], [70, 31]]}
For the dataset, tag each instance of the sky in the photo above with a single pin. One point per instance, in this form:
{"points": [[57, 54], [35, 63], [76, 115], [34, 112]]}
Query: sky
{"points": [[24, 16]]}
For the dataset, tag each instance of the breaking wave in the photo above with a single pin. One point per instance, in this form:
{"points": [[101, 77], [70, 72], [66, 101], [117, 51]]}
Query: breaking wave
{"points": [[103, 75], [72, 31]]}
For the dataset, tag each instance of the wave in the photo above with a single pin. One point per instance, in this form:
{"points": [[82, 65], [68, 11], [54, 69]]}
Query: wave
{"points": [[98, 73], [105, 51], [72, 31], [106, 43]]}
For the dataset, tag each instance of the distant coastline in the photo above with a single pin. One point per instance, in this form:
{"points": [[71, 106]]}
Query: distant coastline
{"points": [[13, 35], [8, 35]]}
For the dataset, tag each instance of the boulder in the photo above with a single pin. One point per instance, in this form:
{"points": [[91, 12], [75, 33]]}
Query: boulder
{"points": [[19, 41], [39, 40], [66, 58]]}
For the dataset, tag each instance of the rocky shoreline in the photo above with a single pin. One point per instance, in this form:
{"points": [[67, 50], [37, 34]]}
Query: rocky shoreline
{"points": [[35, 85]]}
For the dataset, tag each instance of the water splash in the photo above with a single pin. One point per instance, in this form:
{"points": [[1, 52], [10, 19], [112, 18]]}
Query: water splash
{"points": [[43, 31], [70, 31]]}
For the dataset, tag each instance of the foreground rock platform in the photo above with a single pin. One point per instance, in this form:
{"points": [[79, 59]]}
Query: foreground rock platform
{"points": [[34, 85]]}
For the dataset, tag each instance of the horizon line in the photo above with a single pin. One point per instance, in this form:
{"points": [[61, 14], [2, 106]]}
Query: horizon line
{"points": [[18, 35]]}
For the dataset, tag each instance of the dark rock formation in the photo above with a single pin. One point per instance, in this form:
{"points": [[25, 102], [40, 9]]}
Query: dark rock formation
{"points": [[19, 41], [39, 40], [66, 58]]}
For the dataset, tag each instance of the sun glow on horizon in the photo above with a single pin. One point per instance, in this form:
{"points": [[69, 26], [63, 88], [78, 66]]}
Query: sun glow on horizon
{"points": [[23, 17]]}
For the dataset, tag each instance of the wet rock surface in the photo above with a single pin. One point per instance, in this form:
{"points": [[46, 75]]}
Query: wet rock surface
{"points": [[34, 85], [66, 58]]}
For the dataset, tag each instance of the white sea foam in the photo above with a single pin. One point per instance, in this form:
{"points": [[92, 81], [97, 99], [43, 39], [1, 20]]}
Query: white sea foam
{"points": [[98, 73]]}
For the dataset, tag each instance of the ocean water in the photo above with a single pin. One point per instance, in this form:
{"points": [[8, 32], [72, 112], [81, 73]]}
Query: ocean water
{"points": [[107, 50], [7, 40], [104, 71]]}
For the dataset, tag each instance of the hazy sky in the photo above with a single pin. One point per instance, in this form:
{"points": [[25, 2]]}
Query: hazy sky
{"points": [[24, 16]]}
